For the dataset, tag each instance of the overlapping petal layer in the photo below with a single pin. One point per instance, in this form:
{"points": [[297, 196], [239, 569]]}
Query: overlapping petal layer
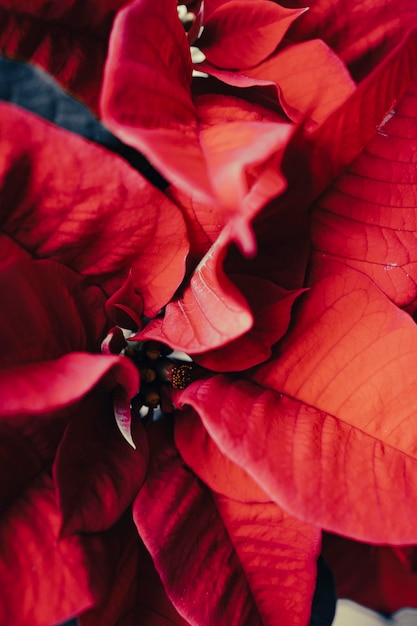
{"points": [[246, 544], [205, 159], [210, 312], [68, 39], [367, 219], [33, 555], [55, 396], [238, 36], [308, 80], [137, 594], [92, 213], [351, 357], [363, 36]]}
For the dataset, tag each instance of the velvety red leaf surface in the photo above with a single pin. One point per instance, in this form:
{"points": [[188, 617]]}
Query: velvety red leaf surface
{"points": [[244, 144], [69, 378], [238, 36], [271, 308], [125, 306], [339, 452], [195, 543], [205, 160], [47, 311], [278, 553], [367, 219], [68, 39], [33, 556], [308, 80], [386, 579], [43, 316], [338, 141], [93, 213], [206, 460], [180, 526], [137, 595], [211, 311], [96, 473], [362, 36], [352, 355]]}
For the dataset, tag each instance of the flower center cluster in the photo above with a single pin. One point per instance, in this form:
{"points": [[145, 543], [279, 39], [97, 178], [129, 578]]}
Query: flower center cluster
{"points": [[159, 373], [191, 17]]}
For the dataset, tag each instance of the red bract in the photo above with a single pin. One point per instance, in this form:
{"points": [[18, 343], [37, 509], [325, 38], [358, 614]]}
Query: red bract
{"points": [[192, 533], [362, 42], [67, 39], [93, 213], [57, 395], [310, 425], [215, 147], [56, 411]]}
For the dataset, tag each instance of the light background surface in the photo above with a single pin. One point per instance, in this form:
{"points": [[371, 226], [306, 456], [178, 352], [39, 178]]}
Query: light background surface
{"points": [[350, 614]]}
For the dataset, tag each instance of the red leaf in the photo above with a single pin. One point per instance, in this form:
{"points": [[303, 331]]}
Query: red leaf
{"points": [[45, 579], [47, 311], [367, 219], [243, 145], [27, 447], [96, 473], [180, 526], [97, 220], [179, 137], [310, 79], [271, 308], [51, 385], [338, 141], [210, 313], [159, 71], [194, 542], [363, 36], [68, 39], [238, 36], [202, 455], [137, 595], [288, 444], [278, 555], [125, 306]]}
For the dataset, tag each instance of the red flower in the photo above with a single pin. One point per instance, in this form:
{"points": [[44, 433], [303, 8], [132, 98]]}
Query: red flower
{"points": [[220, 145], [308, 423], [347, 368]]}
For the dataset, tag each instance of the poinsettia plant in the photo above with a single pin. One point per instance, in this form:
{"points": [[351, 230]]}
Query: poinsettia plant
{"points": [[208, 336]]}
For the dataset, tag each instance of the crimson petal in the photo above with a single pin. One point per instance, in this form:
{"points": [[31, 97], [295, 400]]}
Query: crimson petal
{"points": [[207, 160], [67, 39], [185, 511], [96, 473], [361, 41], [367, 219], [137, 595], [97, 220], [210, 313], [69, 378], [271, 308], [311, 81], [338, 141], [33, 555], [49, 312], [237, 35], [287, 444]]}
